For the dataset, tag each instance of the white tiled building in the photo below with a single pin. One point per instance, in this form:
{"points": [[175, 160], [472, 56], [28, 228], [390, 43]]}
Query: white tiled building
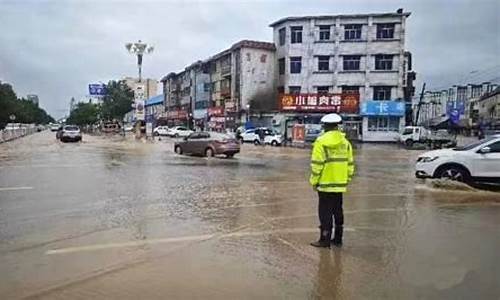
{"points": [[362, 53]]}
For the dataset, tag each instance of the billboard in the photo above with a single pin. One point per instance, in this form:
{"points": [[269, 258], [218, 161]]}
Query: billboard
{"points": [[339, 103], [139, 110], [97, 89], [383, 108]]}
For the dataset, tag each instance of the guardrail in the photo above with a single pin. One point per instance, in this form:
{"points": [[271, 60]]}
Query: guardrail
{"points": [[12, 134]]}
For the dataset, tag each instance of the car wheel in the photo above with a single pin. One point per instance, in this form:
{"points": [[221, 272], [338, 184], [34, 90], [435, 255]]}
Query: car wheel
{"points": [[274, 143], [156, 133], [241, 140], [409, 143], [230, 155], [176, 135], [455, 173], [209, 152], [256, 142], [178, 150]]}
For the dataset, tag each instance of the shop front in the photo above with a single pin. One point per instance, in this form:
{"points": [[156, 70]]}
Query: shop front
{"points": [[382, 120], [308, 109], [200, 119], [177, 118], [216, 119]]}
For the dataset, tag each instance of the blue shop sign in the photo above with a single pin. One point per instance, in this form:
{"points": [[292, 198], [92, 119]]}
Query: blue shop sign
{"points": [[383, 108]]}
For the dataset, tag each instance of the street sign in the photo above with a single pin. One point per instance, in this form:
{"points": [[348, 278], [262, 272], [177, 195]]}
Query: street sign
{"points": [[139, 110], [97, 89], [12, 117], [383, 108]]}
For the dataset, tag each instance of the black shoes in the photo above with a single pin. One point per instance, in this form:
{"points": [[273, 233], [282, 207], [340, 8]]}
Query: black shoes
{"points": [[321, 244]]}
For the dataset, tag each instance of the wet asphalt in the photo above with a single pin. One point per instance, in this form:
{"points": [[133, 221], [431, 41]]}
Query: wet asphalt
{"points": [[113, 218]]}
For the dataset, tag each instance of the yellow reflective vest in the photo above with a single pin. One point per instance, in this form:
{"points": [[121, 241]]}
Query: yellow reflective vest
{"points": [[332, 163]]}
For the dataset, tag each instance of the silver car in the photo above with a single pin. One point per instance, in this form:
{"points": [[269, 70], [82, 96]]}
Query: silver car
{"points": [[71, 133]]}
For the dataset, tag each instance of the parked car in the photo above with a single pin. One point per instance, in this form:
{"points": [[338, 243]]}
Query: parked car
{"points": [[110, 128], [476, 162], [55, 127], [161, 130], [13, 126], [253, 136], [208, 144], [179, 131], [71, 133]]}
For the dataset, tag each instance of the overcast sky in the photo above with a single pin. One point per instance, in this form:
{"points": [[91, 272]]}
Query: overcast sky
{"points": [[55, 48]]}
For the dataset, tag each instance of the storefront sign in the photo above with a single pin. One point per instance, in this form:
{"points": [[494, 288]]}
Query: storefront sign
{"points": [[383, 108], [216, 111], [340, 103], [177, 114], [139, 110]]}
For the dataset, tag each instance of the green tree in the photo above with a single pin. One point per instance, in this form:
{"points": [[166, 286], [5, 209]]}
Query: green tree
{"points": [[24, 110], [84, 114], [117, 101]]}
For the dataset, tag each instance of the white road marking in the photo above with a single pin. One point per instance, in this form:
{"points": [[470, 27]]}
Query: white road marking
{"points": [[181, 239], [16, 188]]}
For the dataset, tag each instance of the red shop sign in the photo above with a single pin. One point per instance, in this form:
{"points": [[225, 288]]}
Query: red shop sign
{"points": [[216, 111], [340, 103]]}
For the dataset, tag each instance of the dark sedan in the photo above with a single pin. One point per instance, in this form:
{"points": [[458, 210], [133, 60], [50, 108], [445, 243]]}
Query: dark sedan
{"points": [[208, 144]]}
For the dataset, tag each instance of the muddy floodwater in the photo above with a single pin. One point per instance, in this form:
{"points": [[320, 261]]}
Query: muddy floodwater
{"points": [[112, 218]]}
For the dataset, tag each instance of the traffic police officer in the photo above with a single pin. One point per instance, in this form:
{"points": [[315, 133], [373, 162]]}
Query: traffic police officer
{"points": [[332, 167]]}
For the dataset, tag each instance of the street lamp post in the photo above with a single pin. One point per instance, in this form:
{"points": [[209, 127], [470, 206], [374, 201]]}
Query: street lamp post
{"points": [[139, 49]]}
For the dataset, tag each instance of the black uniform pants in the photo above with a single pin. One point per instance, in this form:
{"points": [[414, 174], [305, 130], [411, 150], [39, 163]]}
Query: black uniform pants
{"points": [[329, 208]]}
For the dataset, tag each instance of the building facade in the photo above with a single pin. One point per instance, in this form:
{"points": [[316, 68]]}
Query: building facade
{"points": [[215, 94], [459, 104], [362, 54]]}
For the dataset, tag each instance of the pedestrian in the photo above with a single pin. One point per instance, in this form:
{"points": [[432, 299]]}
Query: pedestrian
{"points": [[332, 168]]}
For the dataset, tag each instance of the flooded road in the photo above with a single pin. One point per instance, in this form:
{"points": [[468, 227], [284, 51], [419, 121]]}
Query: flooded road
{"points": [[120, 219]]}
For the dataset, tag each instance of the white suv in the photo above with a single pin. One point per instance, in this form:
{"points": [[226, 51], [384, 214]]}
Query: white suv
{"points": [[479, 161], [161, 130], [270, 137]]}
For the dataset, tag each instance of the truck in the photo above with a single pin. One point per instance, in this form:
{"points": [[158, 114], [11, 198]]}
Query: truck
{"points": [[435, 139]]}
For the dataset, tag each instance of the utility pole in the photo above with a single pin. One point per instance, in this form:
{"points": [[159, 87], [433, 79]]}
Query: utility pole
{"points": [[415, 123], [139, 49]]}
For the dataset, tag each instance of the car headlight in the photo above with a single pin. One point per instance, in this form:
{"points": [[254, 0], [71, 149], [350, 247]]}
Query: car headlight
{"points": [[427, 159]]}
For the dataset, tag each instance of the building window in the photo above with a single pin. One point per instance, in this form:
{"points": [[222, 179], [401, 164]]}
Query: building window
{"points": [[295, 64], [282, 36], [323, 90], [206, 87], [324, 32], [294, 90], [281, 66], [352, 32], [385, 31], [323, 63], [351, 62], [296, 34], [383, 62], [350, 89], [382, 93], [263, 58], [383, 123]]}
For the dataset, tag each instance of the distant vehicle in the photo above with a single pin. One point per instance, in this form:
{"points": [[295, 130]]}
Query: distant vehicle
{"points": [[253, 136], [40, 128], [476, 162], [418, 134], [55, 127], [208, 144], [71, 133], [128, 127], [110, 128], [161, 130], [179, 131], [13, 126]]}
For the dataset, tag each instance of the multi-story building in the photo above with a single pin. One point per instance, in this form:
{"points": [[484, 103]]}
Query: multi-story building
{"points": [[335, 55], [488, 110], [215, 93], [459, 104]]}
